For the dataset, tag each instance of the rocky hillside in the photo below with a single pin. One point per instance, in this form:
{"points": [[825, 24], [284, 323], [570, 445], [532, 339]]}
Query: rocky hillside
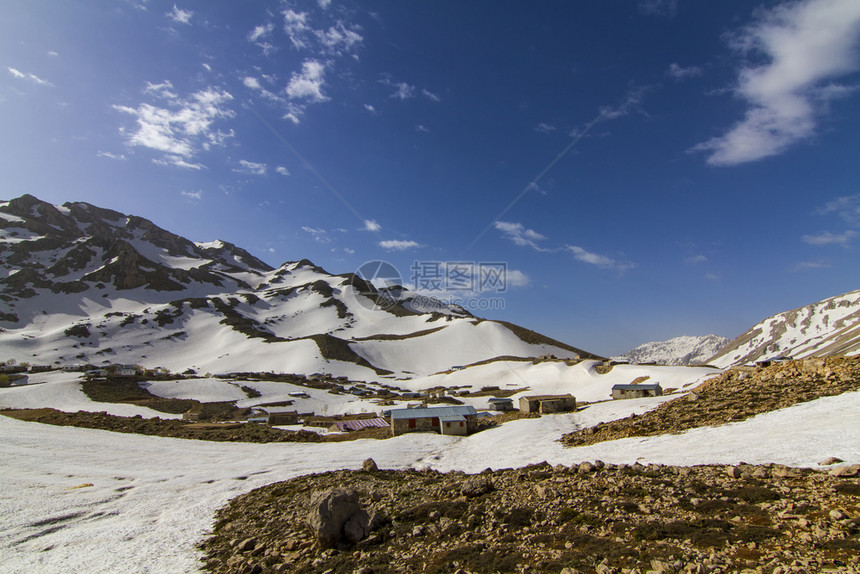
{"points": [[735, 395], [86, 285], [590, 517], [827, 328], [685, 350]]}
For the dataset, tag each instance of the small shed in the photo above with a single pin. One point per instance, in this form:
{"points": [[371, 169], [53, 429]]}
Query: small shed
{"points": [[547, 404], [430, 419], [631, 391], [501, 404], [282, 416], [772, 361], [455, 425]]}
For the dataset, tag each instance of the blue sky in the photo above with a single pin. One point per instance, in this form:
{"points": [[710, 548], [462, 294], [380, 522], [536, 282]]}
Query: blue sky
{"points": [[643, 169]]}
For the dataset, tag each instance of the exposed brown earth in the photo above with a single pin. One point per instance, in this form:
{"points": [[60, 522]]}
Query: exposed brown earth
{"points": [[587, 518], [735, 395], [235, 432]]}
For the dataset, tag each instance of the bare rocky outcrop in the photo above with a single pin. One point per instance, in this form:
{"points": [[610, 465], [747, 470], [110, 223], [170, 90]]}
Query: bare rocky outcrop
{"points": [[735, 395], [598, 517], [336, 519]]}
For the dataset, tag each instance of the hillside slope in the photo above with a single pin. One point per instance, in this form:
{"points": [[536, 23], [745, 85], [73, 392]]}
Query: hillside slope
{"points": [[823, 329], [82, 284], [684, 350]]}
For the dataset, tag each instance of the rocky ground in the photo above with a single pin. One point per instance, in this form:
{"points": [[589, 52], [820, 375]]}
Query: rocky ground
{"points": [[735, 395], [170, 428], [588, 518]]}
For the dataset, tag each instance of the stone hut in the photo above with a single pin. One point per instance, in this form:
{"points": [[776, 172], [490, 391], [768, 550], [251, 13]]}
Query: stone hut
{"points": [[630, 391], [444, 420], [547, 404]]}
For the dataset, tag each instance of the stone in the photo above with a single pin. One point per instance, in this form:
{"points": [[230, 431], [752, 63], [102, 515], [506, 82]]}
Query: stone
{"points": [[331, 512], [477, 487], [585, 467], [369, 465], [846, 471], [837, 514], [830, 460], [247, 544], [733, 472]]}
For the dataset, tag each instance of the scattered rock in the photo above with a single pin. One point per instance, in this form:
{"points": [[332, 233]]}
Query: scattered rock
{"points": [[369, 465], [830, 460], [336, 517], [846, 471]]}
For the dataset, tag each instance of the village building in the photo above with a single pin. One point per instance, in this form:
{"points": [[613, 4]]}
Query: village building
{"points": [[460, 420], [637, 391], [547, 404], [501, 404], [772, 361], [357, 424], [273, 416]]}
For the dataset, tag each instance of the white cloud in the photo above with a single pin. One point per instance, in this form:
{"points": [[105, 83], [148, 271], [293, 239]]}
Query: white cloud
{"points": [[53, 53], [422, 128], [695, 259], [846, 207], [398, 245], [27, 76], [631, 102], [324, 4], [162, 90], [828, 238], [430, 95], [282, 170], [260, 32], [520, 235], [349, 251], [339, 39], [180, 16], [370, 108], [195, 195], [252, 82], [180, 130], [109, 155], [603, 261], [514, 278], [403, 91], [681, 73], [319, 235], [308, 84], [803, 44], [206, 67], [544, 128], [251, 168], [296, 27], [371, 225]]}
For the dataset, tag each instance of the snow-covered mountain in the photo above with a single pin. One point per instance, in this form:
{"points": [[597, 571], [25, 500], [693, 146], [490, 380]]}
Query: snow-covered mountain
{"points": [[82, 284], [829, 327], [686, 350]]}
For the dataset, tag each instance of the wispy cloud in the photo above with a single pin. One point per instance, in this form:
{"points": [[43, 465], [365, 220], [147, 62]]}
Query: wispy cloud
{"points": [[193, 195], [603, 261], [544, 128], [307, 84], [695, 259], [27, 76], [680, 73], [403, 91], [260, 32], [802, 44], [282, 170], [810, 265], [370, 109], [430, 95], [109, 155], [828, 238], [250, 167], [398, 245], [319, 235], [667, 8], [422, 128], [180, 130], [514, 278], [846, 207], [338, 39], [180, 16], [520, 235], [630, 103], [162, 90]]}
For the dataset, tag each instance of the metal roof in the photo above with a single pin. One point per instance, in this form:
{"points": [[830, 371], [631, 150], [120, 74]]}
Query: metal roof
{"points": [[452, 419], [360, 424], [433, 412]]}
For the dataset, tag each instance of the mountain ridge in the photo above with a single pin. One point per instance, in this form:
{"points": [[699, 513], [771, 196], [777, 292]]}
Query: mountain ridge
{"points": [[80, 283]]}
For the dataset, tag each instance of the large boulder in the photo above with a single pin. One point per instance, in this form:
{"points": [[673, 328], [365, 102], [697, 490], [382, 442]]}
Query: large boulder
{"points": [[336, 518]]}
